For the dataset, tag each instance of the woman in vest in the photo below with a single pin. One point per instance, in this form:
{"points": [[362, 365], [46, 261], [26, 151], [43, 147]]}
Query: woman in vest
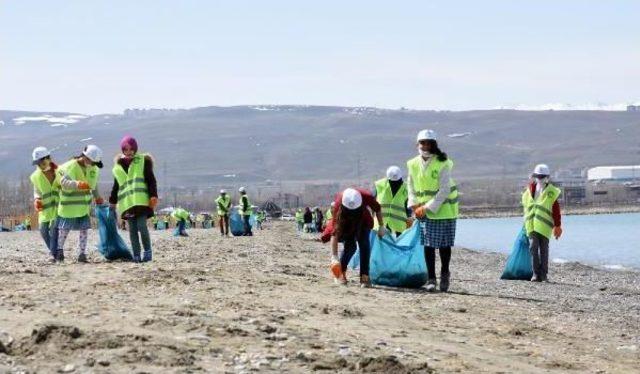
{"points": [[433, 196], [46, 187], [79, 185], [223, 204], [541, 219], [391, 193], [135, 194]]}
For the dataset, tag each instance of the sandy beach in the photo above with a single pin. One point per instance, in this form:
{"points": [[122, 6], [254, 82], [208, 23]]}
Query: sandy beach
{"points": [[267, 303]]}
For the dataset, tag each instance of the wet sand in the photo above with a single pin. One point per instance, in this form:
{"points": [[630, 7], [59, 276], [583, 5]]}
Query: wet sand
{"points": [[267, 303]]}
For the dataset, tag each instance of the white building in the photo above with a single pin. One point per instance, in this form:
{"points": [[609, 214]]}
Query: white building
{"points": [[614, 173]]}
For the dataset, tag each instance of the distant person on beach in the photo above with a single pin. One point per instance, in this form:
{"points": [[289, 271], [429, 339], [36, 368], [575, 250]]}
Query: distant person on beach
{"points": [[79, 185], [542, 218], [46, 191], [223, 206], [433, 196], [308, 220], [246, 209], [319, 220], [351, 225], [135, 195], [181, 216]]}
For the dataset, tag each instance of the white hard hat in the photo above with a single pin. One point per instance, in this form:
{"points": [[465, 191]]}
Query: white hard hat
{"points": [[394, 173], [222, 191], [351, 199], [242, 189], [541, 169], [333, 204], [93, 153], [426, 135], [38, 154]]}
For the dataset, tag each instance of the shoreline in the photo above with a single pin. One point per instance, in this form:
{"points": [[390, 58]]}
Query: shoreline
{"points": [[490, 212]]}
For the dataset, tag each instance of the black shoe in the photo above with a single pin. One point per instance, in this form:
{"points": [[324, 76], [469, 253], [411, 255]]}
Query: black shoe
{"points": [[444, 282], [82, 258], [60, 255]]}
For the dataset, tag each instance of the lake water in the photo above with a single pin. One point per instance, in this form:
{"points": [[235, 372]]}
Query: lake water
{"points": [[608, 240]]}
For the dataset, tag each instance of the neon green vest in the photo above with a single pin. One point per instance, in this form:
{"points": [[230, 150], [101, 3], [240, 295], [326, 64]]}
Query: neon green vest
{"points": [[76, 203], [328, 216], [224, 204], [426, 186], [249, 210], [537, 212], [394, 211], [132, 189], [49, 193], [299, 216], [180, 214]]}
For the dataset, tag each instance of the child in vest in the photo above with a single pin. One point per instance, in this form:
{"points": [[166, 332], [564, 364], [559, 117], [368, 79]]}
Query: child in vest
{"points": [[46, 188], [391, 193], [79, 184], [541, 219], [135, 195]]}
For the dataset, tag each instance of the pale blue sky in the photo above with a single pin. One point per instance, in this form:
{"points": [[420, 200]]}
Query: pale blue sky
{"points": [[105, 56]]}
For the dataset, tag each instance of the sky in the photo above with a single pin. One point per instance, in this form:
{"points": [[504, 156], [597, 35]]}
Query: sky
{"points": [[91, 57]]}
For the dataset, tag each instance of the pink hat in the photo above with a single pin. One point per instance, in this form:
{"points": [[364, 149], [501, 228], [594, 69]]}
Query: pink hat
{"points": [[129, 140]]}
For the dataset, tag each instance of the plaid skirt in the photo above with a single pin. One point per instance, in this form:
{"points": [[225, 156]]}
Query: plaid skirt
{"points": [[438, 233]]}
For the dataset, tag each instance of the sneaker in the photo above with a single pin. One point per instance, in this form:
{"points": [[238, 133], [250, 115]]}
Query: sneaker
{"points": [[342, 280], [365, 282], [544, 278], [536, 278], [60, 255], [82, 258], [146, 257], [136, 258], [444, 282], [431, 285]]}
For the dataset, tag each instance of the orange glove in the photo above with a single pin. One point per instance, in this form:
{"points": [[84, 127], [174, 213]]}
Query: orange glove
{"points": [[37, 205], [153, 202], [99, 201], [557, 232], [420, 212], [82, 185]]}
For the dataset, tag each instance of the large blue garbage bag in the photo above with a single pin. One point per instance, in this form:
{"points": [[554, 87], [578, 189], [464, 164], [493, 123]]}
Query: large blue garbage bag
{"points": [[236, 224], [519, 262], [398, 262], [111, 245], [354, 263]]}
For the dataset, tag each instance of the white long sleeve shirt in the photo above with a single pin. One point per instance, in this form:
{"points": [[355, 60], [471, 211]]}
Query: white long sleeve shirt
{"points": [[443, 188]]}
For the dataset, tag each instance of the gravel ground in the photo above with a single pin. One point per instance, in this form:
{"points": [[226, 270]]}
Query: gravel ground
{"points": [[267, 303]]}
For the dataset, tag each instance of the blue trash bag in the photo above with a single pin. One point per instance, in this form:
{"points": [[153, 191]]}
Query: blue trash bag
{"points": [[236, 224], [518, 265], [160, 225], [111, 245], [398, 262], [176, 231]]}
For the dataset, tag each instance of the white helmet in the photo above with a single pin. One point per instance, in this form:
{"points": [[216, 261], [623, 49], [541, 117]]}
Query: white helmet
{"points": [[394, 173], [426, 135], [542, 170], [333, 204], [351, 199], [223, 191], [38, 154], [93, 153], [242, 189]]}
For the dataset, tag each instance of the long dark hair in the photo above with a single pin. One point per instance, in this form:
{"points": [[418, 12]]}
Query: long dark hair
{"points": [[435, 150], [347, 222]]}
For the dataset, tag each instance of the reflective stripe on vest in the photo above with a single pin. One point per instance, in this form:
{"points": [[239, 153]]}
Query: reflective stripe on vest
{"points": [[426, 186], [538, 214], [394, 212], [76, 203], [249, 209], [49, 195], [224, 203], [132, 188]]}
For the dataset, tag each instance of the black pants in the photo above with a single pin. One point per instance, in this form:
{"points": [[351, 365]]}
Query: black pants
{"points": [[430, 259], [224, 224], [350, 247], [247, 225]]}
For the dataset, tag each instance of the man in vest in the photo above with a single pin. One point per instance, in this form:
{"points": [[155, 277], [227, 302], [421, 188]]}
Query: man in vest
{"points": [[181, 216], [541, 219], [245, 211], [299, 219], [223, 204], [391, 194], [328, 216], [46, 190]]}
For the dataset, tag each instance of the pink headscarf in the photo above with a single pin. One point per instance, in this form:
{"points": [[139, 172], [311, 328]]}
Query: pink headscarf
{"points": [[129, 140]]}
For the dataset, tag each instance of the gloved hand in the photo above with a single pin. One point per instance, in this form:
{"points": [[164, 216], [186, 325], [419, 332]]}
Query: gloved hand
{"points": [[99, 201], [84, 186], [557, 232], [420, 212], [37, 205], [153, 202], [381, 231], [409, 222]]}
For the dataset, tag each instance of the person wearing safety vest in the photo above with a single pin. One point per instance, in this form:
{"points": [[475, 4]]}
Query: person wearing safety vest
{"points": [[318, 219], [260, 218], [541, 219], [79, 185], [245, 211], [433, 196], [223, 205], [154, 222], [135, 195], [391, 193], [46, 190], [181, 216], [27, 223], [328, 216], [299, 219], [166, 221]]}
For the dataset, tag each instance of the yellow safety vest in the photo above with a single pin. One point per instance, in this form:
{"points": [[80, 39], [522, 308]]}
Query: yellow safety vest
{"points": [[77, 203], [249, 209], [224, 204], [132, 188], [426, 186], [394, 210], [49, 194], [538, 215]]}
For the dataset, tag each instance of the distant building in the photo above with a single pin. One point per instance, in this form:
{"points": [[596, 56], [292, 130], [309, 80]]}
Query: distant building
{"points": [[633, 108], [615, 174]]}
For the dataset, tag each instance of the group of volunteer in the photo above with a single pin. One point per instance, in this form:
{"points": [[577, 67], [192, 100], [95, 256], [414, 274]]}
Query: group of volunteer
{"points": [[429, 196]]}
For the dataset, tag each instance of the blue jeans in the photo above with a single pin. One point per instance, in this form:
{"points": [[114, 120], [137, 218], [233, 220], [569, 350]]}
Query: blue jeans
{"points": [[49, 233], [350, 247], [247, 225], [138, 225]]}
